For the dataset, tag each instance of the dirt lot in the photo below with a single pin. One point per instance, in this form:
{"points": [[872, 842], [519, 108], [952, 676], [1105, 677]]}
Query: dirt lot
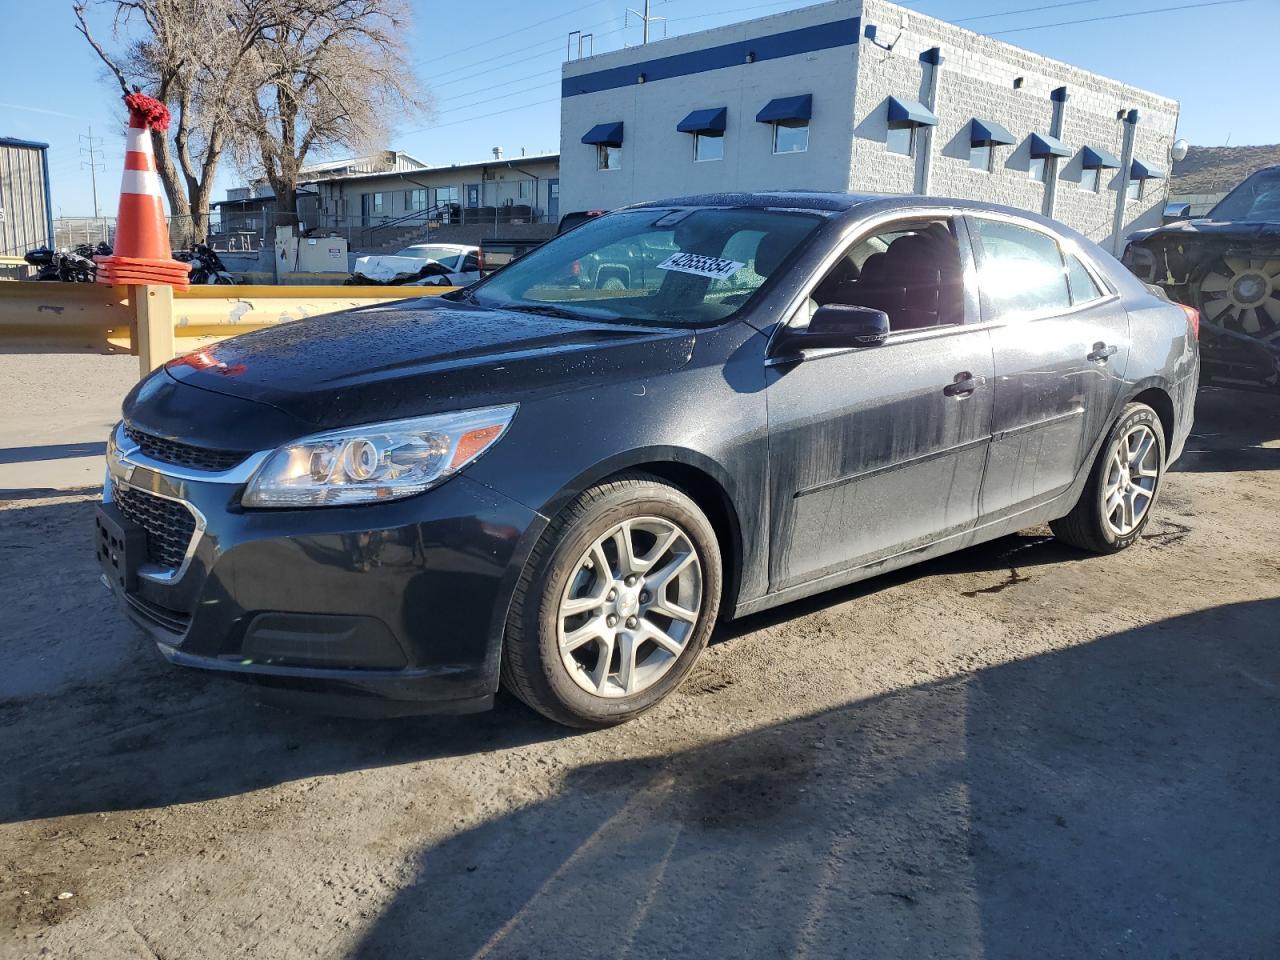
{"points": [[1018, 751]]}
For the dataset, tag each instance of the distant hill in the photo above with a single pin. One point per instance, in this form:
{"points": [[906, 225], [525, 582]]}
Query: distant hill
{"points": [[1218, 169]]}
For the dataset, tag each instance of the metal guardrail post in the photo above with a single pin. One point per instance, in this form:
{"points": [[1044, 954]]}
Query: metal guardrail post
{"points": [[153, 324]]}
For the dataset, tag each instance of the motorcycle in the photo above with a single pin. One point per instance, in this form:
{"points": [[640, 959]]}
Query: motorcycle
{"points": [[67, 266], [206, 265]]}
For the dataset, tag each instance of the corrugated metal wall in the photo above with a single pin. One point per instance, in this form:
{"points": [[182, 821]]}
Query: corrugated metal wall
{"points": [[24, 211]]}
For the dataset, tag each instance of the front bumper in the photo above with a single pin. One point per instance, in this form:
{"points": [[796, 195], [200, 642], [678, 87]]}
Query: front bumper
{"points": [[404, 601]]}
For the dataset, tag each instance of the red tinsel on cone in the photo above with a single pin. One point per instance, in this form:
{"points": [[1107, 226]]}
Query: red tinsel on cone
{"points": [[153, 113]]}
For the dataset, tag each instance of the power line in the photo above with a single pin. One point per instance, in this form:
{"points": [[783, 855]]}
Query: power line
{"points": [[512, 33], [1009, 13], [1119, 16]]}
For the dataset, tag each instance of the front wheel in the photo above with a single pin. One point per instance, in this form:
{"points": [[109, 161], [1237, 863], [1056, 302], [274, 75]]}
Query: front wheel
{"points": [[1116, 502], [617, 601]]}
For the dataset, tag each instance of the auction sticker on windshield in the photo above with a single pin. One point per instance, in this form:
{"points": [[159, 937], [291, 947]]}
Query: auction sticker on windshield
{"points": [[701, 266]]}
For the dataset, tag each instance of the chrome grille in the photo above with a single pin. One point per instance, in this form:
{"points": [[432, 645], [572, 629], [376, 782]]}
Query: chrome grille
{"points": [[184, 454], [169, 525]]}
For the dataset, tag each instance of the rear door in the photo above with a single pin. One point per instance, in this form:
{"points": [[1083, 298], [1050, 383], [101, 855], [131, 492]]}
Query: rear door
{"points": [[1061, 343], [880, 450]]}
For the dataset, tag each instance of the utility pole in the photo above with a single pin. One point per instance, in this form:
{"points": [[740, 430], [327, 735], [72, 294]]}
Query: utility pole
{"points": [[91, 149], [646, 19]]}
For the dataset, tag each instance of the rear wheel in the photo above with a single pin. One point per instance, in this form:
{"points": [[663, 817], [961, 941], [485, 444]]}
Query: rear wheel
{"points": [[1116, 502], [617, 602]]}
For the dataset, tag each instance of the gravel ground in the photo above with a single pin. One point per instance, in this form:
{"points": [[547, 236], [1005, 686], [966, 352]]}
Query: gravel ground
{"points": [[1017, 751]]}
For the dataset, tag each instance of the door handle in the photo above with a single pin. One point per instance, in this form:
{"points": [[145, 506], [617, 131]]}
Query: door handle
{"points": [[1101, 352], [964, 384]]}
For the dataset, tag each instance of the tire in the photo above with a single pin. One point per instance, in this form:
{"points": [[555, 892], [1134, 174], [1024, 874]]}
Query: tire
{"points": [[612, 283], [572, 688], [1091, 525]]}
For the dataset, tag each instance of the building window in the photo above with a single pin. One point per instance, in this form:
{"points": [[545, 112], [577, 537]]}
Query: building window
{"points": [[1133, 190], [1038, 170], [1091, 179], [980, 157], [415, 199], [710, 145], [791, 136], [608, 157], [446, 195], [375, 203], [901, 140], [524, 189]]}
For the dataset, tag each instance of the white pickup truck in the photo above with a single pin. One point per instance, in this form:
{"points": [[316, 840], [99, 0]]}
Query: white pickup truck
{"points": [[422, 264]]}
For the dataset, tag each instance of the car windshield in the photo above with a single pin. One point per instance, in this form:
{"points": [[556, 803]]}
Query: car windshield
{"points": [[1257, 198], [445, 256], [663, 266]]}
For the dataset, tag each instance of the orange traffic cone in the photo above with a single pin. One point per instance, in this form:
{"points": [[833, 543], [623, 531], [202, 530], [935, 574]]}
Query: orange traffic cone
{"points": [[142, 253]]}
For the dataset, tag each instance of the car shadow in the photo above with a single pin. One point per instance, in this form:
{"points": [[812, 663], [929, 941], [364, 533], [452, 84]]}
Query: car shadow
{"points": [[1114, 798], [1232, 432]]}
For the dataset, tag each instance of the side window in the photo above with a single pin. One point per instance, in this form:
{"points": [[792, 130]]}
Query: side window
{"points": [[471, 263], [911, 270], [1020, 272], [1083, 287]]}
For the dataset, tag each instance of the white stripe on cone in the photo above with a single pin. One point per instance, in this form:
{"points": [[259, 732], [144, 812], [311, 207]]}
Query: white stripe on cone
{"points": [[145, 182], [139, 141]]}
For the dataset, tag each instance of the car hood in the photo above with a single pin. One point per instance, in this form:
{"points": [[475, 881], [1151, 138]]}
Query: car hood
{"points": [[1248, 230], [412, 359]]}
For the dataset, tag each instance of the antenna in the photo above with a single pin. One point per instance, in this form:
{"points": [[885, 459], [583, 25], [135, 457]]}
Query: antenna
{"points": [[646, 18], [584, 39], [92, 150]]}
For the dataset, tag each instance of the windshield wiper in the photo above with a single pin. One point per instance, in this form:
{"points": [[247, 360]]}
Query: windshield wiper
{"points": [[545, 310]]}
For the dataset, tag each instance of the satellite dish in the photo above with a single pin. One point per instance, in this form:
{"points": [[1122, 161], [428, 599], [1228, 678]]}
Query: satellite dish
{"points": [[1179, 150]]}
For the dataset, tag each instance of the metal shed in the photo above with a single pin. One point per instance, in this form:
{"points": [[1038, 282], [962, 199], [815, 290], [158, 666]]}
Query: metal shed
{"points": [[26, 214]]}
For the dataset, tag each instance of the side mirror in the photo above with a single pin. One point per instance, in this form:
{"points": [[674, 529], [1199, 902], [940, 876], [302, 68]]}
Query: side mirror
{"points": [[838, 325], [1174, 212]]}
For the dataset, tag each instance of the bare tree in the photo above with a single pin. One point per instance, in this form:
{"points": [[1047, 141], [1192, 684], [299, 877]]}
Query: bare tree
{"points": [[192, 56], [329, 74]]}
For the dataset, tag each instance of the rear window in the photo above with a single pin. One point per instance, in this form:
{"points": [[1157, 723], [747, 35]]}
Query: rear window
{"points": [[1083, 287]]}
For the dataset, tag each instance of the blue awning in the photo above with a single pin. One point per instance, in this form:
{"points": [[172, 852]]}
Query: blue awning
{"points": [[910, 112], [983, 132], [1146, 171], [787, 108], [605, 134], [702, 121], [1093, 158], [1043, 145]]}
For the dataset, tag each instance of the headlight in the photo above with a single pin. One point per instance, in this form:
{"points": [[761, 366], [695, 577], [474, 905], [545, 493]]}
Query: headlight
{"points": [[375, 462]]}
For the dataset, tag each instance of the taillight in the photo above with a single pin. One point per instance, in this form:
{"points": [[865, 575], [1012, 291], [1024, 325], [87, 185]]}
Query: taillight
{"points": [[575, 268], [480, 260], [1193, 319]]}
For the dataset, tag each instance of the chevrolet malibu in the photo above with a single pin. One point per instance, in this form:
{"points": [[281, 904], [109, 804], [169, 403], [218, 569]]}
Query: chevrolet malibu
{"points": [[561, 489]]}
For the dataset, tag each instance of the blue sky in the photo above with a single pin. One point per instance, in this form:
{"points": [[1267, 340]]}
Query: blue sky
{"points": [[495, 78]]}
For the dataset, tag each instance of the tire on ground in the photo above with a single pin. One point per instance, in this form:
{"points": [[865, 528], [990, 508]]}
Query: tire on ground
{"points": [[532, 668], [1085, 526]]}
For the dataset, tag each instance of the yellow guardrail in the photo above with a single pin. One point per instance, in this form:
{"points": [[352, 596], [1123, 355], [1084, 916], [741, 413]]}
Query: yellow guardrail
{"points": [[157, 323]]}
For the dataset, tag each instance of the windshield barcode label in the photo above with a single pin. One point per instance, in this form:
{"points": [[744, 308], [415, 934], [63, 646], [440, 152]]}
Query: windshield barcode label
{"points": [[701, 266]]}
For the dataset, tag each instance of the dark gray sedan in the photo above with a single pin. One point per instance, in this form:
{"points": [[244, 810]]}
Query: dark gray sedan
{"points": [[562, 488]]}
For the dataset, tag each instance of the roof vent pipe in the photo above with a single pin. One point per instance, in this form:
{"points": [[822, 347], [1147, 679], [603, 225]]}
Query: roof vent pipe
{"points": [[497, 153]]}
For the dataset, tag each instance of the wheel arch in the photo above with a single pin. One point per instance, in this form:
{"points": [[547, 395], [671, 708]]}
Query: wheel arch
{"points": [[700, 477], [1156, 395]]}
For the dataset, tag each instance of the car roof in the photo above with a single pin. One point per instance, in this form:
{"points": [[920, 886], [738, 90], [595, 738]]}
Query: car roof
{"points": [[439, 246], [792, 199]]}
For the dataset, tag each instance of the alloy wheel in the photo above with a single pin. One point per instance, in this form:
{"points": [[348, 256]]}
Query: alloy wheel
{"points": [[1130, 484], [630, 607]]}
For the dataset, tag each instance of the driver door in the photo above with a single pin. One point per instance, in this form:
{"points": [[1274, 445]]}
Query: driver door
{"points": [[880, 450]]}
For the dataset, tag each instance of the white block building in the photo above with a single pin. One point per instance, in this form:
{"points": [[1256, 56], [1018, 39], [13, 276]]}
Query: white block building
{"points": [[863, 95]]}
